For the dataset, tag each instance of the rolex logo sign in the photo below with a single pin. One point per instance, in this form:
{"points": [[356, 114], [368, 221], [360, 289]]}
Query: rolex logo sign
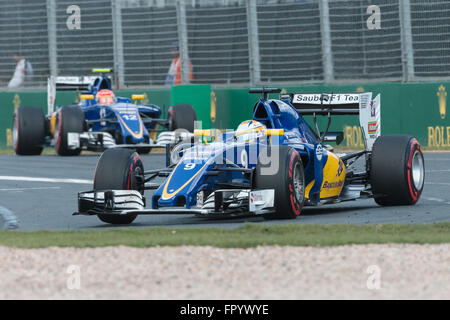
{"points": [[442, 96]]}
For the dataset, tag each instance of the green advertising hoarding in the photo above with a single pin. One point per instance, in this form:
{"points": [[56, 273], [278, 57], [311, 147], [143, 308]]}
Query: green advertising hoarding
{"points": [[419, 109]]}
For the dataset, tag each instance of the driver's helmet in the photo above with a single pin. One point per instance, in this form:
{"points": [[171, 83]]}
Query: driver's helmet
{"points": [[250, 130], [105, 97]]}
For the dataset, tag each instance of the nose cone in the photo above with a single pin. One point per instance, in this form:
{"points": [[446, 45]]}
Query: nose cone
{"points": [[182, 182]]}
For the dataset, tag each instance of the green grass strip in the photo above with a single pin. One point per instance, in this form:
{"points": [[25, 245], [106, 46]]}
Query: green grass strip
{"points": [[249, 235]]}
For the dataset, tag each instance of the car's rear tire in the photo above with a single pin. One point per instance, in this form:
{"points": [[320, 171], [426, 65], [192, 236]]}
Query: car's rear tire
{"points": [[288, 181], [28, 131], [182, 116], [117, 169], [68, 119], [397, 170]]}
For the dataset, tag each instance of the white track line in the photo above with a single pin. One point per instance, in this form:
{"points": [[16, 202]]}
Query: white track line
{"points": [[438, 183], [52, 180], [437, 200], [24, 189]]}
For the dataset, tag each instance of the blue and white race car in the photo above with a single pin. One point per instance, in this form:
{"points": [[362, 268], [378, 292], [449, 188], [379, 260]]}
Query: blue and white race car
{"points": [[272, 165], [98, 122]]}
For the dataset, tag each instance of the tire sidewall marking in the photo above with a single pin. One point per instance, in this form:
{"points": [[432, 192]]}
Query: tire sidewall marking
{"points": [[16, 121], [134, 160], [58, 145], [295, 206], [414, 193], [170, 119]]}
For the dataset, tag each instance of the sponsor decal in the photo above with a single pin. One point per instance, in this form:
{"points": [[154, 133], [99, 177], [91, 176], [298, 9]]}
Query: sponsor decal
{"points": [[365, 100], [442, 97], [198, 153], [9, 138], [213, 106], [372, 109], [319, 152], [372, 127], [103, 115], [439, 137], [125, 110], [332, 98], [256, 197], [332, 185], [16, 102], [353, 137], [340, 169]]}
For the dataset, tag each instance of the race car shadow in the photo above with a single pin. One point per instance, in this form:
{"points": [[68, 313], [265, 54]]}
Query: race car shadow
{"points": [[178, 220], [325, 210], [183, 221], [230, 221]]}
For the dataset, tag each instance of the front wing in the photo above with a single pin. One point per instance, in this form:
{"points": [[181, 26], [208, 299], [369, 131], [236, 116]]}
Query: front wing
{"points": [[124, 202], [100, 141]]}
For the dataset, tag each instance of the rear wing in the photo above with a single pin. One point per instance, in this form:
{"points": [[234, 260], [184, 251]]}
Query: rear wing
{"points": [[361, 104], [65, 84]]}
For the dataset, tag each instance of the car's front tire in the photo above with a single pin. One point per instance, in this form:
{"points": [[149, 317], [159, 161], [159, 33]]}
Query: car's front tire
{"points": [[119, 169], [397, 170]]}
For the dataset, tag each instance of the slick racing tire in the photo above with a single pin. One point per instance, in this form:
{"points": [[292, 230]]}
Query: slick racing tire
{"points": [[28, 131], [118, 169], [287, 178], [68, 119], [397, 170], [182, 116]]}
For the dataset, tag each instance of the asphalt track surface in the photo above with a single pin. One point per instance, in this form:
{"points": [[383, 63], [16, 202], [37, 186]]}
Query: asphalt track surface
{"points": [[41, 191]]}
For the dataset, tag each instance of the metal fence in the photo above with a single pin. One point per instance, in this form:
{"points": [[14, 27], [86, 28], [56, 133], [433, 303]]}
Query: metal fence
{"points": [[226, 42]]}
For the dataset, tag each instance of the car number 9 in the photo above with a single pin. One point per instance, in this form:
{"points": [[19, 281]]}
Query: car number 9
{"points": [[189, 166]]}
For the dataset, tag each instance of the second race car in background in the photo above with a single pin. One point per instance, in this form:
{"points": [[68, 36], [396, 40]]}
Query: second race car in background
{"points": [[90, 125]]}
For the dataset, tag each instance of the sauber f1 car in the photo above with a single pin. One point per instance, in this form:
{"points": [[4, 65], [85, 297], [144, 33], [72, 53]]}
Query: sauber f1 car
{"points": [[272, 165], [98, 122]]}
